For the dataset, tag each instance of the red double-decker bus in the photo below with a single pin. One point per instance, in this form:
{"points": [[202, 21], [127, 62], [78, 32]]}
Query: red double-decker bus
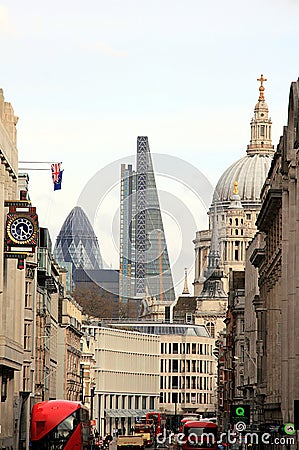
{"points": [[187, 418], [157, 419], [201, 435], [59, 424]]}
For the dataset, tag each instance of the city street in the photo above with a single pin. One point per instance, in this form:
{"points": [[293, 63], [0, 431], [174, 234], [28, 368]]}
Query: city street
{"points": [[113, 446]]}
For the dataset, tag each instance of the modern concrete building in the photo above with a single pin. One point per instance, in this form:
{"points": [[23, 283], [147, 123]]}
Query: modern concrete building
{"points": [[126, 375], [186, 366]]}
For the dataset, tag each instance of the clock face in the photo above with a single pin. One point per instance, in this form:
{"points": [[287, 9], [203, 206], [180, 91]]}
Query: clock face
{"points": [[21, 229]]}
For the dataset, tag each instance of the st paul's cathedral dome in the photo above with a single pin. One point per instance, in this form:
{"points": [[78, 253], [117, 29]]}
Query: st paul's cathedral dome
{"points": [[250, 171]]}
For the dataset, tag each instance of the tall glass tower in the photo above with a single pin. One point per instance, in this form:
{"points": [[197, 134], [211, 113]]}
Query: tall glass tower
{"points": [[76, 245], [144, 261]]}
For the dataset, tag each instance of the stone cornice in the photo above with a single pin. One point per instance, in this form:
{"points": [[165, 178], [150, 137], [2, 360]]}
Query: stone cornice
{"points": [[269, 209], [257, 256]]}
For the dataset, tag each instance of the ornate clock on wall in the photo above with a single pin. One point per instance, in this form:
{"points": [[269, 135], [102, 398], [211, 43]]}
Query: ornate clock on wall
{"points": [[21, 229]]}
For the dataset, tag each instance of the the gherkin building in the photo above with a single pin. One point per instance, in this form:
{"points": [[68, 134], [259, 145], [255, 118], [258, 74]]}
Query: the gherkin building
{"points": [[77, 245]]}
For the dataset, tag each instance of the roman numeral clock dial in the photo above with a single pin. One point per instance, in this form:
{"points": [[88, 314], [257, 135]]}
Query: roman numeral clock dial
{"points": [[21, 230]]}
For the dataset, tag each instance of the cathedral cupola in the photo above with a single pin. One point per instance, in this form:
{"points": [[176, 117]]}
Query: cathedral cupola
{"points": [[260, 141]]}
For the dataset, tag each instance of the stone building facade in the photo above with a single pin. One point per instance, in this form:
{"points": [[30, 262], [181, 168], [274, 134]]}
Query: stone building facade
{"points": [[15, 355], [46, 320], [276, 307], [69, 381], [234, 211]]}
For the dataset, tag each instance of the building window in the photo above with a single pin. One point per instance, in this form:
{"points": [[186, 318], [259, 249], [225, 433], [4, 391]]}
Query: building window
{"points": [[174, 397], [188, 365], [211, 329], [152, 403], [175, 365], [175, 383], [248, 216], [242, 353], [28, 294], [143, 402], [175, 348], [26, 379], [242, 326], [237, 251], [189, 318], [137, 402], [130, 402], [27, 336]]}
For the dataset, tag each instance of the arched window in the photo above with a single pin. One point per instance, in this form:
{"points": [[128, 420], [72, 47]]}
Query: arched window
{"points": [[211, 328]]}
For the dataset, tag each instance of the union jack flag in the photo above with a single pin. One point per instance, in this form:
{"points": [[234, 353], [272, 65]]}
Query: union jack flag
{"points": [[56, 175]]}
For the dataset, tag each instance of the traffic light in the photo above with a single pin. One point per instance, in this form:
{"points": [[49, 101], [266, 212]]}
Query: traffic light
{"points": [[240, 413]]}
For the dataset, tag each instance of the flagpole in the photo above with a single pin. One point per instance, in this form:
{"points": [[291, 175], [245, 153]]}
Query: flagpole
{"points": [[37, 162]]}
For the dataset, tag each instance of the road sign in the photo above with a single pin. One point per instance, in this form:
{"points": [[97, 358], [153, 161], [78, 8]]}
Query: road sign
{"points": [[240, 413]]}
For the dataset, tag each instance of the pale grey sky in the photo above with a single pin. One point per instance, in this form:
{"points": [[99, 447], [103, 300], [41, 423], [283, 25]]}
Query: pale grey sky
{"points": [[87, 77]]}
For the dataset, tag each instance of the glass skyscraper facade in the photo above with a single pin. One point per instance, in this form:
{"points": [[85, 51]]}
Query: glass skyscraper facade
{"points": [[76, 245], [144, 261]]}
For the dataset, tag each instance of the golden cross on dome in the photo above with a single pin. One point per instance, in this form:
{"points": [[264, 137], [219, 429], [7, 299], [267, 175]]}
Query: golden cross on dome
{"points": [[261, 88]]}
